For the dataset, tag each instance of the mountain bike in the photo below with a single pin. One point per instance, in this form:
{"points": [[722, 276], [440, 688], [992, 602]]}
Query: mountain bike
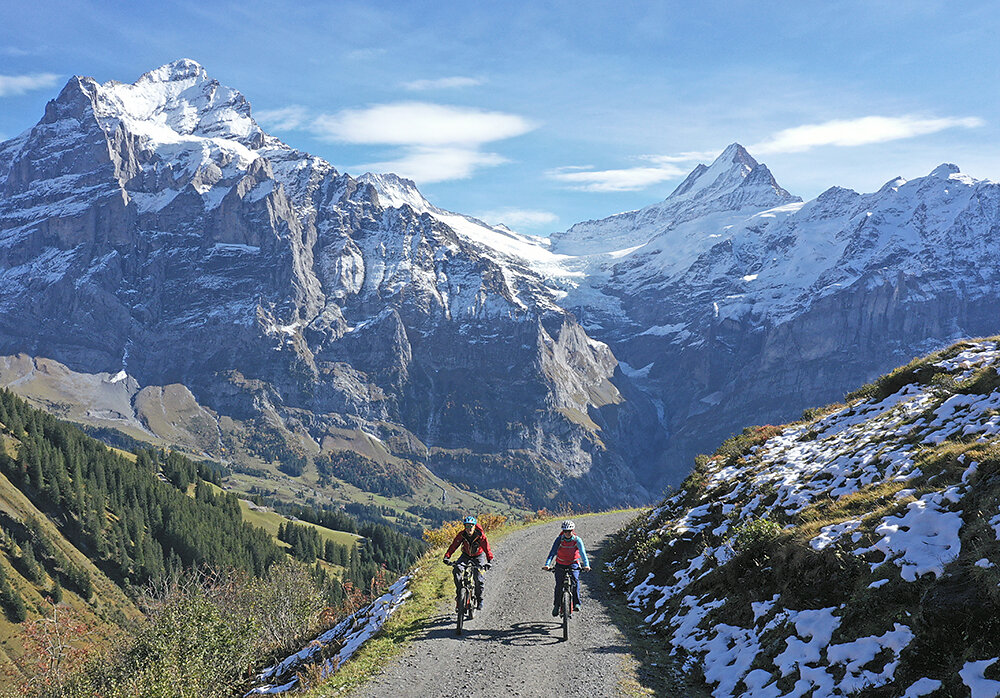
{"points": [[566, 605], [464, 607]]}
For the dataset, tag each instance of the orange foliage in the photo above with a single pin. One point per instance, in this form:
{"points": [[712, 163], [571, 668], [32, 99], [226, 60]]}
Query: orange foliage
{"points": [[54, 647], [444, 535]]}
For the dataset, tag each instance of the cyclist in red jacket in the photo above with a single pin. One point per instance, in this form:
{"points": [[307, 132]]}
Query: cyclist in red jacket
{"points": [[475, 552]]}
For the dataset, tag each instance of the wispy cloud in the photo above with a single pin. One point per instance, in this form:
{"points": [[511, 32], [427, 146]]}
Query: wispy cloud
{"points": [[428, 164], [441, 83], [689, 157], [419, 123], [518, 217], [365, 54], [438, 142], [628, 179], [853, 132], [285, 119], [19, 84]]}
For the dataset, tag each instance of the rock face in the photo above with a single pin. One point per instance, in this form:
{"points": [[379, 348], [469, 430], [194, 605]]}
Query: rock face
{"points": [[154, 228], [739, 304]]}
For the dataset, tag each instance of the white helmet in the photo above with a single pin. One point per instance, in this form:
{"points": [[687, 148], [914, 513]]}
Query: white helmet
{"points": [[568, 525]]}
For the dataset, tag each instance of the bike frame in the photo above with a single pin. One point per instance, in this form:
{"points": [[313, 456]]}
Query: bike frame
{"points": [[463, 601], [566, 604]]}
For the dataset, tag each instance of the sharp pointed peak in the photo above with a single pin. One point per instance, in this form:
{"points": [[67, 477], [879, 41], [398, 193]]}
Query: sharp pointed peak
{"points": [[736, 153]]}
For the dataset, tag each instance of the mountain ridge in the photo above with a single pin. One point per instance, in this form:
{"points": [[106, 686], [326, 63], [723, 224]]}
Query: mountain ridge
{"points": [[730, 297], [161, 232]]}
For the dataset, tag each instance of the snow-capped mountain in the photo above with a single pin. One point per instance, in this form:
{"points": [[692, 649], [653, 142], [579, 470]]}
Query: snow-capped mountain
{"points": [[734, 185], [735, 303], [845, 554], [154, 228]]}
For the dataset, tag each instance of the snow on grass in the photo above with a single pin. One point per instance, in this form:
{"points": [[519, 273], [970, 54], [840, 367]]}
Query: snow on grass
{"points": [[857, 654], [886, 480], [349, 634], [922, 687], [828, 535], [923, 540], [973, 676]]}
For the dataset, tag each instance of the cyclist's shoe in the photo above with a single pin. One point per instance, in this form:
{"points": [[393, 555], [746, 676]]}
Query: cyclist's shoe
{"points": [[479, 604], [555, 611], [576, 607]]}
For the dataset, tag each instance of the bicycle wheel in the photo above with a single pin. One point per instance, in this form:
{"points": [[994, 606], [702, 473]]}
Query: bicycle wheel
{"points": [[567, 609], [460, 605]]}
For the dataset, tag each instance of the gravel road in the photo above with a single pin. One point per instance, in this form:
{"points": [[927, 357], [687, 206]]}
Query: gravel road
{"points": [[514, 646]]}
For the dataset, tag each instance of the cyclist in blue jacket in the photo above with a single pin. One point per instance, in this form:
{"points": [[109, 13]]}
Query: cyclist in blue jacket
{"points": [[569, 554]]}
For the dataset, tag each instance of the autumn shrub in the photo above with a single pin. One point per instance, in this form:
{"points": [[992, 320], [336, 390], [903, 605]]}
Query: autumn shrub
{"points": [[445, 534], [206, 631], [55, 648], [755, 537]]}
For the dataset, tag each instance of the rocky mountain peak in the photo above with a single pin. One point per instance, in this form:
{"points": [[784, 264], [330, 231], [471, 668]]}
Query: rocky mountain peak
{"points": [[945, 170], [395, 191], [735, 169], [181, 69], [178, 99]]}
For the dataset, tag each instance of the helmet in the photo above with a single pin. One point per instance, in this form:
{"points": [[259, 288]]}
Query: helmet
{"points": [[568, 525], [469, 520]]}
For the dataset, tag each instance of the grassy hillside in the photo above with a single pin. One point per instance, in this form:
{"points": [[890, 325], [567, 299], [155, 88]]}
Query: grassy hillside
{"points": [[854, 552], [87, 527], [105, 609]]}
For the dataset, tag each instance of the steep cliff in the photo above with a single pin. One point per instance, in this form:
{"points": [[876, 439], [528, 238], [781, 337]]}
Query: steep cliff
{"points": [[154, 228]]}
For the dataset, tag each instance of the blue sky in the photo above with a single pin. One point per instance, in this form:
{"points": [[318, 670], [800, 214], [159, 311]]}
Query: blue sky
{"points": [[544, 114]]}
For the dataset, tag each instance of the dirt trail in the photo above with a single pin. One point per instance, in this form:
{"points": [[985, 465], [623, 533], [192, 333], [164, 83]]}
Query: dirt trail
{"points": [[513, 647]]}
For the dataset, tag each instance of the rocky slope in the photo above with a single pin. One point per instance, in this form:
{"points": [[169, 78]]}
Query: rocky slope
{"points": [[845, 554], [154, 228]]}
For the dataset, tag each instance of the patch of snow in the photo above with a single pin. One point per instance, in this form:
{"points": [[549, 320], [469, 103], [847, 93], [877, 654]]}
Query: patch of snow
{"points": [[921, 541], [973, 676], [922, 687]]}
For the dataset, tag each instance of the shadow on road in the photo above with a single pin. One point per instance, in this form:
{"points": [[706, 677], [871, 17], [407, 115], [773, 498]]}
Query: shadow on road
{"points": [[518, 634]]}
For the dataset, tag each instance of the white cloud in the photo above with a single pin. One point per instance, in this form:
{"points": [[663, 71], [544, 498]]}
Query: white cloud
{"points": [[419, 123], [284, 119], [441, 83], [19, 84], [689, 156], [438, 142], [517, 217], [853, 132], [629, 179], [428, 164]]}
